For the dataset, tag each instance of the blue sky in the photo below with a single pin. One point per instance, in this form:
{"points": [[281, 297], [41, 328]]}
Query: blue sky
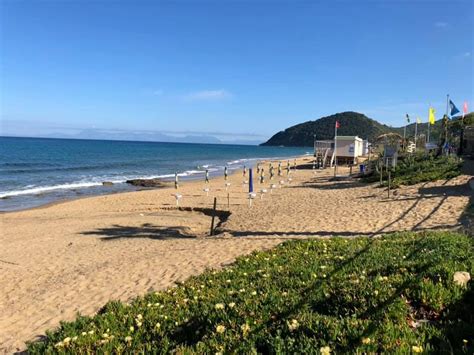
{"points": [[245, 68]]}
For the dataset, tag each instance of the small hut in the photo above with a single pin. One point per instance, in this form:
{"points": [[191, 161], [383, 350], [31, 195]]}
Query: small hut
{"points": [[389, 144]]}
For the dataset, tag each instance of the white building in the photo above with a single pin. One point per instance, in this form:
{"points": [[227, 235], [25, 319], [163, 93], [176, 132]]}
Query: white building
{"points": [[349, 148]]}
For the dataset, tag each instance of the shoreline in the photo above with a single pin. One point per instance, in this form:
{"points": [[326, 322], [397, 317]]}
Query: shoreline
{"points": [[126, 186]]}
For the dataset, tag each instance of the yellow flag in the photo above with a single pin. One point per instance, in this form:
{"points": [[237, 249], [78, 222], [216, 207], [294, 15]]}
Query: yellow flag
{"points": [[432, 118]]}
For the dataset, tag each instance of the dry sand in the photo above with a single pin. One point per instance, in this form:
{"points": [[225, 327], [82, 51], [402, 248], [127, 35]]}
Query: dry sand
{"points": [[75, 256]]}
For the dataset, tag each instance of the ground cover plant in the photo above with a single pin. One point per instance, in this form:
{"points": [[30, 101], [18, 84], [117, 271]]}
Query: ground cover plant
{"points": [[418, 168], [393, 293]]}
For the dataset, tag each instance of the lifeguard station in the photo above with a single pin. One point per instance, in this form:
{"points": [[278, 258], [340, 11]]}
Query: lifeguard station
{"points": [[324, 153], [349, 149]]}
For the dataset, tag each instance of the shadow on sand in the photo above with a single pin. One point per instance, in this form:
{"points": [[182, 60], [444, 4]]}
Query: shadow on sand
{"points": [[146, 230]]}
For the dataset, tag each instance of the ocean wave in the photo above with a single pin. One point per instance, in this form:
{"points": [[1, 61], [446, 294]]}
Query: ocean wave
{"points": [[95, 181], [43, 189]]}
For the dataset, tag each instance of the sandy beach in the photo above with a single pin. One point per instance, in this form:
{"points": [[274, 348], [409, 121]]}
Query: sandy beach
{"points": [[72, 257]]}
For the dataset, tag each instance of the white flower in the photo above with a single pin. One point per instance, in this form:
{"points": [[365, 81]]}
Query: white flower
{"points": [[220, 329], [139, 317], [231, 305], [83, 333], [66, 340], [245, 328], [219, 306], [325, 350], [158, 326], [254, 293], [293, 325], [128, 339]]}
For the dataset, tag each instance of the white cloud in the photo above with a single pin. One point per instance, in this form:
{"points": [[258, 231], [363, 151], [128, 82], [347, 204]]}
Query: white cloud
{"points": [[208, 95], [441, 24]]}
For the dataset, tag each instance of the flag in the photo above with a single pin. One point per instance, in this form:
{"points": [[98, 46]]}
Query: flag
{"points": [[337, 124], [418, 120], [408, 118], [464, 109], [453, 108], [432, 118]]}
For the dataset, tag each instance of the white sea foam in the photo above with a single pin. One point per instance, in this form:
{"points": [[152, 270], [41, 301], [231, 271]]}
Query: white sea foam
{"points": [[42, 189], [97, 180]]}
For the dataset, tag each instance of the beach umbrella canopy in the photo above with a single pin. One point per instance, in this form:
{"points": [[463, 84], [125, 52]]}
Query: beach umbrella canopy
{"points": [[250, 181]]}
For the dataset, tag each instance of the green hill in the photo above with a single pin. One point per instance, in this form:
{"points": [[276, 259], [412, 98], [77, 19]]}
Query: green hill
{"points": [[351, 124]]}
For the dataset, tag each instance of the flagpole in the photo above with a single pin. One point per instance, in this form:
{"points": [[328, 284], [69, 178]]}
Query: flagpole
{"points": [[416, 130], [335, 149], [446, 123], [429, 124]]}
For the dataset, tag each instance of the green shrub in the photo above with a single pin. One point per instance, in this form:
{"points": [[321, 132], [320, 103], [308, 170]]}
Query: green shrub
{"points": [[418, 168], [390, 294]]}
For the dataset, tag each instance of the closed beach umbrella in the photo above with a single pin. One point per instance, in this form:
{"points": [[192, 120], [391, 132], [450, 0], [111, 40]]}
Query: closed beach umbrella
{"points": [[250, 181]]}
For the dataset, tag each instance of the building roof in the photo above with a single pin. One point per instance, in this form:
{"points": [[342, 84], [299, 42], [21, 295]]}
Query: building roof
{"points": [[349, 138]]}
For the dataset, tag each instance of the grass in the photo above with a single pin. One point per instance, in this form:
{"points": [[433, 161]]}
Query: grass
{"points": [[419, 168], [390, 294]]}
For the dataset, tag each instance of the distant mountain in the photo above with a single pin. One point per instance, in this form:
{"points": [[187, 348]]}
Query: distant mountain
{"points": [[151, 136], [351, 124]]}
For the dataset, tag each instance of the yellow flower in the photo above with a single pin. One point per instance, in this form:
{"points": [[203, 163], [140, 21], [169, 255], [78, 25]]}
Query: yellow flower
{"points": [[74, 338], [128, 339], [464, 341], [366, 340], [91, 332], [417, 349], [139, 324], [231, 305], [254, 293], [245, 328], [293, 325], [59, 345], [132, 328], [325, 350], [83, 333], [66, 340], [220, 329], [219, 306], [139, 317], [158, 326], [105, 335]]}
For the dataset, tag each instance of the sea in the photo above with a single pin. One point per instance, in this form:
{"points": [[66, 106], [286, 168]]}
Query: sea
{"points": [[38, 171]]}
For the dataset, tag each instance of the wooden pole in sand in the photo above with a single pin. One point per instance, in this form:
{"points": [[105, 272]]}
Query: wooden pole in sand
{"points": [[389, 181], [213, 217], [380, 170]]}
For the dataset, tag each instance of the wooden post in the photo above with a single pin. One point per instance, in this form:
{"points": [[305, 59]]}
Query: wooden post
{"points": [[350, 170], [228, 201], [213, 216], [380, 171], [389, 181]]}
